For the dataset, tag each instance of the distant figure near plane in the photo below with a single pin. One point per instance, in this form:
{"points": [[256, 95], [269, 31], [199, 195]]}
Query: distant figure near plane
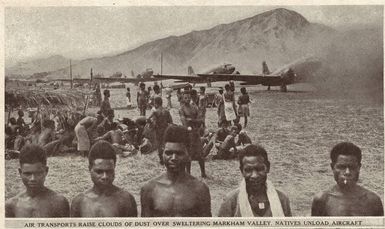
{"points": [[128, 95], [105, 106], [141, 99]]}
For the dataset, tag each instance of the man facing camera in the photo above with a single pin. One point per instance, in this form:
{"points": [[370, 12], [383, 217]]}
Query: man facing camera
{"points": [[175, 193], [346, 198], [104, 199], [37, 200], [256, 196]]}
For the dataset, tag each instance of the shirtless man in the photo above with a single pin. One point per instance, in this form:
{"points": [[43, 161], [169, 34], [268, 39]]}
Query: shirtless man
{"points": [[37, 200], [105, 106], [141, 99], [104, 199], [161, 119], [202, 104], [48, 133], [256, 196], [225, 142], [175, 193], [156, 93], [346, 198], [105, 125], [83, 131], [189, 116], [117, 138]]}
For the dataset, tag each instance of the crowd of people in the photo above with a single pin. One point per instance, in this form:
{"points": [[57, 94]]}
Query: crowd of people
{"points": [[175, 193]]}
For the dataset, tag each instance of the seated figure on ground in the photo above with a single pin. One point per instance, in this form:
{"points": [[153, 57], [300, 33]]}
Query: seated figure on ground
{"points": [[117, 138]]}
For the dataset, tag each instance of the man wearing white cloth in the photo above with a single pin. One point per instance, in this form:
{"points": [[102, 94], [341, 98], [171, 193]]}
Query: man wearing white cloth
{"points": [[256, 196]]}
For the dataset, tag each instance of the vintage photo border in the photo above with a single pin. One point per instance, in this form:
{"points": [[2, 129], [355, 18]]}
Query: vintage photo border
{"points": [[292, 222]]}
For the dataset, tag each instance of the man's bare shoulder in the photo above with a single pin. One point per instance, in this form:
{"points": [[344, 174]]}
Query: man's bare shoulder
{"points": [[198, 184], [323, 194], [370, 195], [153, 182], [79, 197], [11, 202], [124, 195]]}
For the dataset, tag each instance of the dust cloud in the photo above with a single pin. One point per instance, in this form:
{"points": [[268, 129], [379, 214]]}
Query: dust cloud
{"points": [[353, 65]]}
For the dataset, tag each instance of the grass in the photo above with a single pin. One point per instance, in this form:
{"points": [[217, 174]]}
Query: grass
{"points": [[297, 129]]}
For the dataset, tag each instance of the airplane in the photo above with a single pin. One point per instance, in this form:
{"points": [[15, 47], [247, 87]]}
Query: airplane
{"points": [[288, 74], [206, 77], [145, 76]]}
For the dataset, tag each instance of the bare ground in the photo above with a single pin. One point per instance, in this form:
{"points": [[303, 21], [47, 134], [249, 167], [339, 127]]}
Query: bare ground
{"points": [[298, 129]]}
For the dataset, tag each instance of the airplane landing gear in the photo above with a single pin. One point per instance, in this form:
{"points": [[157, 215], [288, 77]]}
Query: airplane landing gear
{"points": [[268, 88], [283, 88]]}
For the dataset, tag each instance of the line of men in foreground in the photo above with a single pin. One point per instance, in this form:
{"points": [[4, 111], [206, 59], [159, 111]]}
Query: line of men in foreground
{"points": [[176, 193]]}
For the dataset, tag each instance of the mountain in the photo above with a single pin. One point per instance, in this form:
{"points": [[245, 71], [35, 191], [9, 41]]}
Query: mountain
{"points": [[48, 64], [277, 36]]}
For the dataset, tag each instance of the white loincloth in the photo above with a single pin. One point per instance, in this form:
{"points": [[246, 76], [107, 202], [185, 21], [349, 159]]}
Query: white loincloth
{"points": [[229, 111], [84, 143], [272, 195]]}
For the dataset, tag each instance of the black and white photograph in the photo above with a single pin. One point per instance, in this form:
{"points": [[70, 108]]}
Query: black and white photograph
{"points": [[216, 111]]}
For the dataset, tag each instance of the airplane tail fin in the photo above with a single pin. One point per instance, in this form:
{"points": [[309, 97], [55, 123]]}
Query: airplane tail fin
{"points": [[265, 69], [190, 71]]}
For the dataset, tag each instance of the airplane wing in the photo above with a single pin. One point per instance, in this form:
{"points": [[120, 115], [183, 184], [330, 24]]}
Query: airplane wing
{"points": [[181, 78], [205, 78], [124, 80], [76, 80]]}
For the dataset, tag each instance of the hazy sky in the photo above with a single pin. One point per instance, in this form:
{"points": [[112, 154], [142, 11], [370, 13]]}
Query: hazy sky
{"points": [[82, 32]]}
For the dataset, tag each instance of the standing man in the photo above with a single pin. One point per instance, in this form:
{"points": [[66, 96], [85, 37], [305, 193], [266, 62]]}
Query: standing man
{"points": [[175, 193], [189, 117], [243, 102], [104, 199], [256, 196], [155, 94], [202, 104], [161, 119], [128, 95], [141, 99], [219, 102], [105, 103], [37, 200], [168, 96], [346, 198]]}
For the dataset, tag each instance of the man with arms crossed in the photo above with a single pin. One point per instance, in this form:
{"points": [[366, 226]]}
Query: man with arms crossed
{"points": [[346, 198], [104, 199], [37, 200], [256, 196], [175, 193]]}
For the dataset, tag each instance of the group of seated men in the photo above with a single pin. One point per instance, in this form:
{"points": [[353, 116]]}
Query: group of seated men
{"points": [[53, 134], [176, 193]]}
